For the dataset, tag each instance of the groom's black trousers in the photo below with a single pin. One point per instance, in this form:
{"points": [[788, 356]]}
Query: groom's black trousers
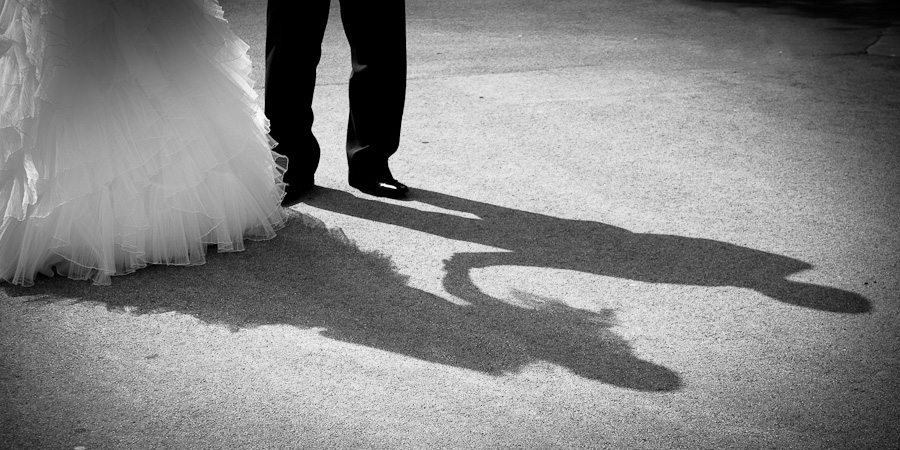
{"points": [[376, 31]]}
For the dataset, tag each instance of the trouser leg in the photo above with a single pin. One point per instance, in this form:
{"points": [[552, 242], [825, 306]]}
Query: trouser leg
{"points": [[294, 32], [376, 31]]}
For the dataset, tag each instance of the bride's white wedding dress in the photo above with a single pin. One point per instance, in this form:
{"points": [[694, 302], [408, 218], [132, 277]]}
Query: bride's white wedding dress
{"points": [[129, 135]]}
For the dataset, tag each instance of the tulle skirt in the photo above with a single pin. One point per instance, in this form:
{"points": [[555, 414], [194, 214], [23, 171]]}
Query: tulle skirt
{"points": [[129, 135]]}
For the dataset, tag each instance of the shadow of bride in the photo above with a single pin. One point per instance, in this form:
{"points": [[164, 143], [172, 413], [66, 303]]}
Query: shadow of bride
{"points": [[313, 278], [536, 240]]}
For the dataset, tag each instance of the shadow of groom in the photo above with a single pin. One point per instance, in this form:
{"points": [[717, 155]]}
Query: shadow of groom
{"points": [[537, 240]]}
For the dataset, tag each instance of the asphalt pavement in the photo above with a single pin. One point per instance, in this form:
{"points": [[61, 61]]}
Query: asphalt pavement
{"points": [[641, 224]]}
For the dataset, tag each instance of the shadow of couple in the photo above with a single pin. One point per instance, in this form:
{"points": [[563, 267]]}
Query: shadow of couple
{"points": [[312, 277]]}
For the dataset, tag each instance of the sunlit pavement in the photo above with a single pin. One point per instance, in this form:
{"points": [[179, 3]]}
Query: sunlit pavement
{"points": [[634, 225]]}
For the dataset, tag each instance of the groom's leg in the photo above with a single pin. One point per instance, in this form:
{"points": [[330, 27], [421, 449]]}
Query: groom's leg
{"points": [[294, 31], [376, 31]]}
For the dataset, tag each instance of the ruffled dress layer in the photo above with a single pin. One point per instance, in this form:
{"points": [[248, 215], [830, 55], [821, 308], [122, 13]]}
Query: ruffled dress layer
{"points": [[129, 135]]}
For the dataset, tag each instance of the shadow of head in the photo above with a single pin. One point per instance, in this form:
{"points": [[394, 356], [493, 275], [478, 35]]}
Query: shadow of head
{"points": [[309, 277]]}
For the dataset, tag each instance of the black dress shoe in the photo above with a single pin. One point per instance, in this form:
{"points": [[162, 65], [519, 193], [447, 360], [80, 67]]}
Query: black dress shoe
{"points": [[295, 190], [387, 187], [373, 176]]}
